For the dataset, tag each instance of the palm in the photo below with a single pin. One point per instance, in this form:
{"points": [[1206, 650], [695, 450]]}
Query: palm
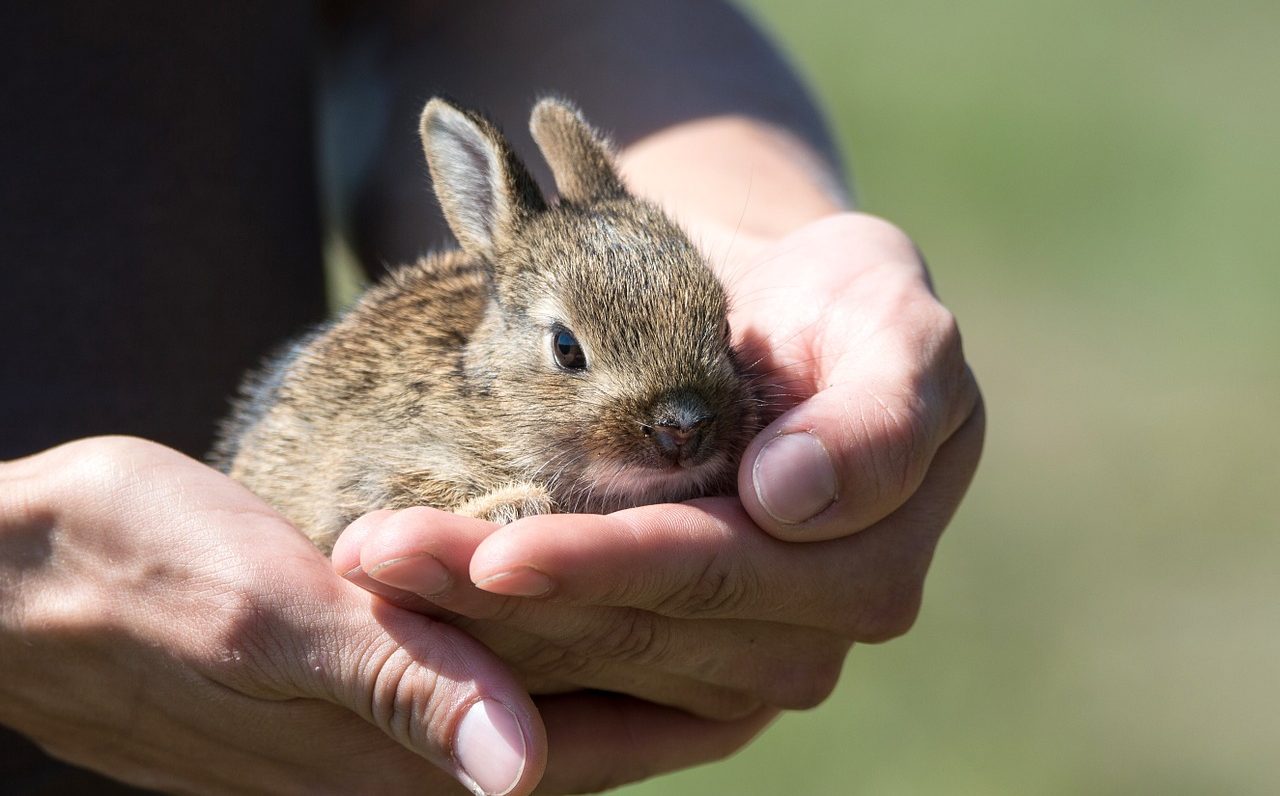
{"points": [[821, 306], [850, 344]]}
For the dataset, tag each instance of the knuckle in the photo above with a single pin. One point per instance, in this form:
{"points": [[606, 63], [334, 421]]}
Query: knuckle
{"points": [[635, 637], [562, 663], [720, 589], [887, 614], [905, 432], [807, 674]]}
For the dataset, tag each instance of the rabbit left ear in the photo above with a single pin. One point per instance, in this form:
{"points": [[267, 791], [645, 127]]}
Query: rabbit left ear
{"points": [[483, 188], [579, 157]]}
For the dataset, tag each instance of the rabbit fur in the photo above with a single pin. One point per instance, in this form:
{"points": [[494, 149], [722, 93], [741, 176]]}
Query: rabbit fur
{"points": [[452, 383]]}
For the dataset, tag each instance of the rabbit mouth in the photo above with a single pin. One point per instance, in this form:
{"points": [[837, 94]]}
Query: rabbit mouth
{"points": [[611, 485]]}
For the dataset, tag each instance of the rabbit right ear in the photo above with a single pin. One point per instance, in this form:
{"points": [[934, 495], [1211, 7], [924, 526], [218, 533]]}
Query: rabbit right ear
{"points": [[483, 188], [579, 157]]}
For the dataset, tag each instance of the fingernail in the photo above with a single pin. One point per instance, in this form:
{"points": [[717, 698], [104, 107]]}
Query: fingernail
{"points": [[794, 477], [420, 573], [518, 582], [489, 748]]}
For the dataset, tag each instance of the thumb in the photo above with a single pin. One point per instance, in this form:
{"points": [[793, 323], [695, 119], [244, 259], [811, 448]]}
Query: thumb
{"points": [[428, 686], [853, 453]]}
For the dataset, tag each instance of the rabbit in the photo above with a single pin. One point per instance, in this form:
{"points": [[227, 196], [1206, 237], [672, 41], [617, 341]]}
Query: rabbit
{"points": [[570, 356]]}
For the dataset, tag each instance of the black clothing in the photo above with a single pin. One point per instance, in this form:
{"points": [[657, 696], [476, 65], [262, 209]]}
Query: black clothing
{"points": [[158, 229], [158, 213]]}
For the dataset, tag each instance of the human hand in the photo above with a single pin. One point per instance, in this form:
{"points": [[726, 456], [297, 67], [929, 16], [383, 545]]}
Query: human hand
{"points": [[694, 606], [877, 429], [163, 626], [878, 407]]}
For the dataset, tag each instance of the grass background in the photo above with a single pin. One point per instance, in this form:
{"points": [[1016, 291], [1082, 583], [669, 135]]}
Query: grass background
{"points": [[1096, 187]]}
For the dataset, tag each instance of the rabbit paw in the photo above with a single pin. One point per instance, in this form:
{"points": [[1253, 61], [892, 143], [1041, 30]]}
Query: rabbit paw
{"points": [[508, 504]]}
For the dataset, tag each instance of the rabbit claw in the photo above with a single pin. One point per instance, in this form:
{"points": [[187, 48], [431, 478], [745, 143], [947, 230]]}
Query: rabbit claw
{"points": [[509, 503]]}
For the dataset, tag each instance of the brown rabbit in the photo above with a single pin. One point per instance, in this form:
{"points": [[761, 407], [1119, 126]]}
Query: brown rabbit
{"points": [[570, 357]]}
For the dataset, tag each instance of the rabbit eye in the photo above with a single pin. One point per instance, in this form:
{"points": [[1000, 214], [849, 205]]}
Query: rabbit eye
{"points": [[567, 350]]}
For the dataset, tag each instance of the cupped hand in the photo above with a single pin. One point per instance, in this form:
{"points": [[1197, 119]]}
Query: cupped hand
{"points": [[163, 626], [876, 429], [865, 367]]}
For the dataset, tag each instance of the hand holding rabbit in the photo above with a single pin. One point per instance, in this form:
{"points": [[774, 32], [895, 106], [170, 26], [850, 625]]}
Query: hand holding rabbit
{"points": [[571, 357]]}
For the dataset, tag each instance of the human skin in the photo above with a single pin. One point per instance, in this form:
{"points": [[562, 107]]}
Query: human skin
{"points": [[715, 606], [163, 626], [128, 573]]}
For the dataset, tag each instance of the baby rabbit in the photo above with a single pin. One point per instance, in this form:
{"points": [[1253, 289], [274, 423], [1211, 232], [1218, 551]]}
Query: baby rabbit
{"points": [[570, 357]]}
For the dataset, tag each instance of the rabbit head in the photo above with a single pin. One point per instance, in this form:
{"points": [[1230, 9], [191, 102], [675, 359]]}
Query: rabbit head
{"points": [[605, 356]]}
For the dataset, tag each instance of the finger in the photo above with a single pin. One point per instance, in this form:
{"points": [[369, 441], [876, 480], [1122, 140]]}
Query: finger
{"points": [[855, 451], [426, 685], [420, 550], [706, 559], [438, 693], [600, 741], [418, 558], [718, 669], [552, 667], [346, 562]]}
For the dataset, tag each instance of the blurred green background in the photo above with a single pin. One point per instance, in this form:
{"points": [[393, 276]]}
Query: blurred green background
{"points": [[1097, 187]]}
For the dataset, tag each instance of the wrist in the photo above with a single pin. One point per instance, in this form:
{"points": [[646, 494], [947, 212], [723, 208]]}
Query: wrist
{"points": [[734, 177], [27, 532]]}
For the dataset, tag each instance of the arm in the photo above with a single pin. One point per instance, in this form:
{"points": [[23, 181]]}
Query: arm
{"points": [[857, 349], [635, 68], [715, 126], [146, 589], [879, 415], [163, 626]]}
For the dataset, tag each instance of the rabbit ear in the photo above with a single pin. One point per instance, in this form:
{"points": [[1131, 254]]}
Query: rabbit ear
{"points": [[483, 188], [579, 157]]}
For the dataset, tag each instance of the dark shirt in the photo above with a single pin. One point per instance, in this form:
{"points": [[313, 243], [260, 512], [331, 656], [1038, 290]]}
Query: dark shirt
{"points": [[158, 229]]}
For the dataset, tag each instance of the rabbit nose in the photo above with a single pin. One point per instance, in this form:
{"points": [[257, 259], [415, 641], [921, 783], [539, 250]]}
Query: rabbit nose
{"points": [[678, 425], [675, 440]]}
